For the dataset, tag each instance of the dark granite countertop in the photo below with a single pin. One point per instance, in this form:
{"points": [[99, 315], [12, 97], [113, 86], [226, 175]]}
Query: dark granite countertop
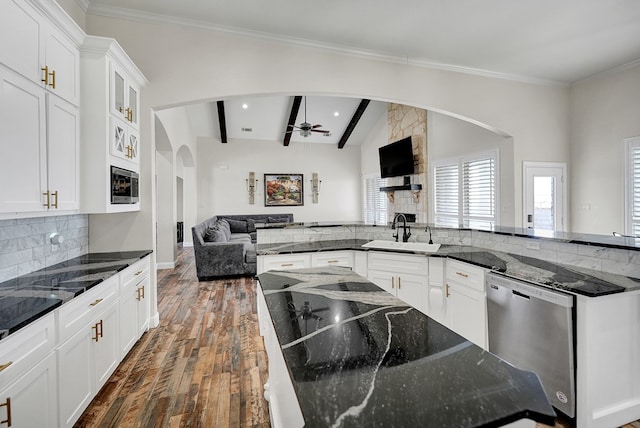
{"points": [[31, 296], [358, 356], [586, 282]]}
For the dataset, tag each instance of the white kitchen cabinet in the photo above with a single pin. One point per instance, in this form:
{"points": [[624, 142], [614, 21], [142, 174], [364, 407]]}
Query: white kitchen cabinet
{"points": [[31, 400], [85, 362], [134, 304], [63, 154], [466, 306], [110, 137], [124, 96], [360, 263], [436, 296], [403, 275], [332, 258], [41, 49], [284, 261], [23, 168]]}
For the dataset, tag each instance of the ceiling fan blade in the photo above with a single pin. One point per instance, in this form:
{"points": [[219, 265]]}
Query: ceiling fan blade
{"points": [[317, 125], [322, 131]]}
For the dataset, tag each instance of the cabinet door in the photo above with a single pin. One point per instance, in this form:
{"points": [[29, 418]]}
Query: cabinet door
{"points": [[23, 161], [62, 60], [128, 318], [31, 400], [62, 151], [21, 30], [106, 350], [467, 313], [118, 139], [118, 92], [133, 101], [332, 258], [384, 280], [413, 290], [75, 376]]}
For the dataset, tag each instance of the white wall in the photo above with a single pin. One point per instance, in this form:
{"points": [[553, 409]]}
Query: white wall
{"points": [[604, 111], [449, 137], [223, 169]]}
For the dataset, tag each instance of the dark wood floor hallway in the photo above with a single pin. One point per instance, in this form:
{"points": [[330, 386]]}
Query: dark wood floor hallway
{"points": [[204, 366]]}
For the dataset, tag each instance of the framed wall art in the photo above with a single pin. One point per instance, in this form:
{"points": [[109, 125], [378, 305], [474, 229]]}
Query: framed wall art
{"points": [[283, 190]]}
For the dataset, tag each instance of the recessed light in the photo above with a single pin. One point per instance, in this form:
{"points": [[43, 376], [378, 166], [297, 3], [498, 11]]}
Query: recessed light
{"points": [[245, 106], [336, 113]]}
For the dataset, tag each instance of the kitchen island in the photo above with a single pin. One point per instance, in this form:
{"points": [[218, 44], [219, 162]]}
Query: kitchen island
{"points": [[357, 356]]}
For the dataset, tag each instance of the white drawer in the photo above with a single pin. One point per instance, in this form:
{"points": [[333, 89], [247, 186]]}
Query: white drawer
{"points": [[79, 312], [135, 273], [332, 258], [26, 347], [402, 263], [465, 274], [286, 261]]}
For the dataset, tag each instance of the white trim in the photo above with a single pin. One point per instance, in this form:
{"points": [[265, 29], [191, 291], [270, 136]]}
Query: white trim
{"points": [[140, 16], [565, 188], [165, 265], [187, 244]]}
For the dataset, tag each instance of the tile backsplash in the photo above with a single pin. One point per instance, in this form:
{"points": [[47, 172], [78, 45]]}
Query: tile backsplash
{"points": [[25, 244]]}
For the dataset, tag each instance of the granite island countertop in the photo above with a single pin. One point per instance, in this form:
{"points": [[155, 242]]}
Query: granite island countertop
{"points": [[557, 276], [358, 356], [29, 297]]}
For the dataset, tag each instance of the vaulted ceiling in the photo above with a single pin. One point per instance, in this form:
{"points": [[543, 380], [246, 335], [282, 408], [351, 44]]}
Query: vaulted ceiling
{"points": [[543, 41]]}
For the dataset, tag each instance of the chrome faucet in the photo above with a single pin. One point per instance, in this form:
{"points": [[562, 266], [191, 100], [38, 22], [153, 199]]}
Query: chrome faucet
{"points": [[406, 230]]}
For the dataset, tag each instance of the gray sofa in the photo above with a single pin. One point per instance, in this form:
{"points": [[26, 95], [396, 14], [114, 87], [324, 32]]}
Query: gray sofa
{"points": [[224, 246]]}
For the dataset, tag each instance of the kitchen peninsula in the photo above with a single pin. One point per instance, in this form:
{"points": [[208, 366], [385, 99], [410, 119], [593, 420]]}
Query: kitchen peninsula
{"points": [[601, 273], [358, 356]]}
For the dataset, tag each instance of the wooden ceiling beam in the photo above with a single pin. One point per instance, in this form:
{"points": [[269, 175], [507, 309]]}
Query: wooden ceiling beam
{"points": [[222, 122], [354, 121], [295, 107]]}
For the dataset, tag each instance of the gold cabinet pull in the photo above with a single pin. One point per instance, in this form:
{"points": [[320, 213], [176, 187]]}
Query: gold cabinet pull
{"points": [[464, 275], [53, 79], [45, 77], [129, 114], [399, 284], [286, 264], [7, 404], [447, 289], [5, 366], [333, 261], [393, 284], [55, 196], [48, 203], [96, 302], [98, 331], [138, 273], [140, 293]]}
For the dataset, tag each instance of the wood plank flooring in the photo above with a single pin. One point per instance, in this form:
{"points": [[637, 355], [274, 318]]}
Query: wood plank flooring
{"points": [[204, 366]]}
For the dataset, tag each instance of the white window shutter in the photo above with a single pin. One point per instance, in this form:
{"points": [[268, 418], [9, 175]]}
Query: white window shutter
{"points": [[375, 201]]}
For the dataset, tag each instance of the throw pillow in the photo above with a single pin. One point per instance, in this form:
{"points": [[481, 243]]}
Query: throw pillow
{"points": [[237, 226], [224, 226], [214, 234], [251, 225]]}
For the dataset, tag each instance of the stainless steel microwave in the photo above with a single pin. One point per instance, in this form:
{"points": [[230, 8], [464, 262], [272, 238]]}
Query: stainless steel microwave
{"points": [[124, 186]]}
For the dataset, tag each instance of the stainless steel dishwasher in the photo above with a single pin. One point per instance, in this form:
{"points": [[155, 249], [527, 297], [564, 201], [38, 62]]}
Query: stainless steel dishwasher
{"points": [[532, 328]]}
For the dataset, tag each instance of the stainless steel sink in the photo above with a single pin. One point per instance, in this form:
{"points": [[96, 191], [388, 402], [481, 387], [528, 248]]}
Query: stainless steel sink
{"points": [[416, 247]]}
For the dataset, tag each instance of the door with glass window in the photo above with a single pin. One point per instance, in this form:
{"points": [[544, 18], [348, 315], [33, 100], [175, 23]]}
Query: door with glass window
{"points": [[544, 196]]}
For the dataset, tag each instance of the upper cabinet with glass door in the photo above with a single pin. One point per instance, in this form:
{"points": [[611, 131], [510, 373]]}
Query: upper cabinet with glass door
{"points": [[125, 97]]}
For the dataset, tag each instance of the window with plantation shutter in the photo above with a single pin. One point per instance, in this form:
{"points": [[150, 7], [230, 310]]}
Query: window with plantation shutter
{"points": [[465, 191], [376, 205], [632, 212]]}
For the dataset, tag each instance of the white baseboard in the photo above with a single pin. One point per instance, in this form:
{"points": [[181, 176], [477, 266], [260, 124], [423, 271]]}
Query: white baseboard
{"points": [[166, 265], [187, 244], [154, 321]]}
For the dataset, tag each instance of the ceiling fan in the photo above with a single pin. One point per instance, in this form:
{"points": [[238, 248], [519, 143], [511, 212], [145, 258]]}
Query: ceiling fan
{"points": [[305, 127]]}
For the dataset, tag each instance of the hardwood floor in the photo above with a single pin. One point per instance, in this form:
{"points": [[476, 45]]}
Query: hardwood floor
{"points": [[204, 366]]}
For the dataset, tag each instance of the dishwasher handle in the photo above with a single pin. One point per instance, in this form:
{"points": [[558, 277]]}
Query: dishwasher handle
{"points": [[517, 293]]}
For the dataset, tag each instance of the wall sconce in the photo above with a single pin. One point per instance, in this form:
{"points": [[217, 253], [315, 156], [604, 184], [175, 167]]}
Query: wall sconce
{"points": [[251, 187], [316, 185]]}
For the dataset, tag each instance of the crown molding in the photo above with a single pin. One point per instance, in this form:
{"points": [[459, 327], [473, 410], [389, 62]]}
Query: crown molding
{"points": [[612, 71], [83, 5], [138, 16]]}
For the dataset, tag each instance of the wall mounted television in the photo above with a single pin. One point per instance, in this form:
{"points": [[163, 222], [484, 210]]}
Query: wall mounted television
{"points": [[396, 159]]}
